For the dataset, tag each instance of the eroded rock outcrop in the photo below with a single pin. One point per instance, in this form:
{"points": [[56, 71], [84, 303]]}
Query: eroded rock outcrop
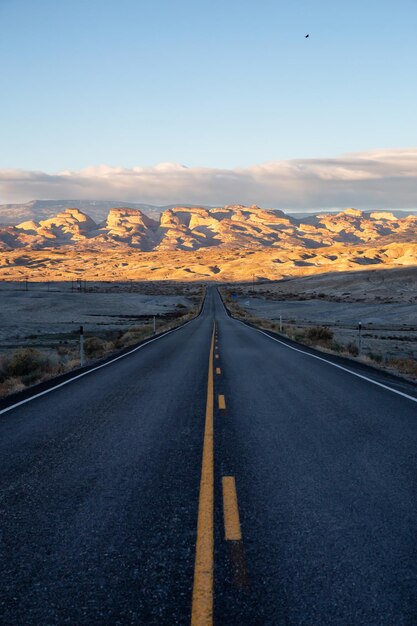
{"points": [[230, 227]]}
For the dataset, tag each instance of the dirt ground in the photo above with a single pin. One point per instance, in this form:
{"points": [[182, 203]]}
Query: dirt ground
{"points": [[44, 316], [384, 301]]}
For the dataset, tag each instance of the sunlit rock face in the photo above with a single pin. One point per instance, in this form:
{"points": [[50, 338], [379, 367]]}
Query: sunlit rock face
{"points": [[383, 215], [353, 226], [69, 224], [130, 227], [225, 243], [184, 228]]}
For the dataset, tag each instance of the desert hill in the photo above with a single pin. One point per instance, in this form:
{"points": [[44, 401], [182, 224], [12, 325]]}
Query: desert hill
{"points": [[225, 243], [192, 228]]}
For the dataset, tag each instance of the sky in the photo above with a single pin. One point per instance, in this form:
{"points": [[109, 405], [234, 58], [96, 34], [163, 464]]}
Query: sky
{"points": [[212, 87]]}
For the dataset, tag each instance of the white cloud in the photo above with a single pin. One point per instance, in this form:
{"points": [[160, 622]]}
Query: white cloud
{"points": [[378, 179]]}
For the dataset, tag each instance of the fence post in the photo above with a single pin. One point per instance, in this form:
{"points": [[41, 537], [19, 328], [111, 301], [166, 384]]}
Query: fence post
{"points": [[81, 346]]}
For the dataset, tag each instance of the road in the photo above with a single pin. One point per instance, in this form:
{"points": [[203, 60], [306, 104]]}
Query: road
{"points": [[212, 449]]}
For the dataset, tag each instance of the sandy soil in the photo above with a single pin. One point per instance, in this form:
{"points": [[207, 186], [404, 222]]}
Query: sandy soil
{"points": [[206, 264]]}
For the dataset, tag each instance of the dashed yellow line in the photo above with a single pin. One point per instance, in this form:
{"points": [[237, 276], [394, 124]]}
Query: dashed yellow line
{"points": [[202, 604], [218, 370], [222, 401], [232, 529]]}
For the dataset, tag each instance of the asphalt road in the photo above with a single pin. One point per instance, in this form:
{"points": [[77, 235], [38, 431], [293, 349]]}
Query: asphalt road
{"points": [[100, 489]]}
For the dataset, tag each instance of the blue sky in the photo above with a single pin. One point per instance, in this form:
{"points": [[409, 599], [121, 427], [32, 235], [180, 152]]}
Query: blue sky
{"points": [[203, 83]]}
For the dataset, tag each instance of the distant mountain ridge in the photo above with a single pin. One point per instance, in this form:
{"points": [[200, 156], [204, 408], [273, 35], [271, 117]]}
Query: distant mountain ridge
{"points": [[194, 243], [185, 228], [97, 209], [11, 214]]}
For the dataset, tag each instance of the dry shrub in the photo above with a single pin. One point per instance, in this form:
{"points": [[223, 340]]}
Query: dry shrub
{"points": [[71, 364], [95, 347], [24, 367], [377, 358], [319, 334], [405, 366], [63, 350], [134, 335], [336, 347], [352, 349], [11, 385], [255, 320], [27, 364]]}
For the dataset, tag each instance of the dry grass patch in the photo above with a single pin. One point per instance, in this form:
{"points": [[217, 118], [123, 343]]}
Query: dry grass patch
{"points": [[25, 367], [407, 367]]}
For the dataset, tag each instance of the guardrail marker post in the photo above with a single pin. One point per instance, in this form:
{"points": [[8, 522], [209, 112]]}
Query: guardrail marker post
{"points": [[280, 323], [154, 325], [81, 346], [359, 337]]}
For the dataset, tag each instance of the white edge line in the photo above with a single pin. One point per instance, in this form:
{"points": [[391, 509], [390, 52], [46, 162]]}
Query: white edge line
{"points": [[94, 369], [340, 367]]}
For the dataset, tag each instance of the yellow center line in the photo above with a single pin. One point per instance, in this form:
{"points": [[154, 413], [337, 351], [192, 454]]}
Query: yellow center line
{"points": [[202, 606], [218, 370], [232, 530], [222, 401]]}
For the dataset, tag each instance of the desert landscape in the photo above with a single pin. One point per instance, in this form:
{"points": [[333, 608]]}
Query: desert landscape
{"points": [[382, 302], [113, 276], [208, 313], [42, 317], [232, 243], [40, 323]]}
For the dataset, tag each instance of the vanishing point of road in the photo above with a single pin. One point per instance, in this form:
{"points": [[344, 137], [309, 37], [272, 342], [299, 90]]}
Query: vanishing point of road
{"points": [[215, 475]]}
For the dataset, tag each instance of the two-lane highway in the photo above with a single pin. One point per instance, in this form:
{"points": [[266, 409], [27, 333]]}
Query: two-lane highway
{"points": [[215, 475], [99, 490]]}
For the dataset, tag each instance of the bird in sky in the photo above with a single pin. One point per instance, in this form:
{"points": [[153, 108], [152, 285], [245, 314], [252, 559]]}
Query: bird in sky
{"points": [[307, 36]]}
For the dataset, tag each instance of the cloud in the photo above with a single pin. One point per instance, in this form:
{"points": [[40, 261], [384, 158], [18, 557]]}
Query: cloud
{"points": [[377, 179]]}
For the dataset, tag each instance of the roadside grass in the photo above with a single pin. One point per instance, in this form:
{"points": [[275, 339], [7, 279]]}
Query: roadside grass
{"points": [[322, 338], [24, 367]]}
